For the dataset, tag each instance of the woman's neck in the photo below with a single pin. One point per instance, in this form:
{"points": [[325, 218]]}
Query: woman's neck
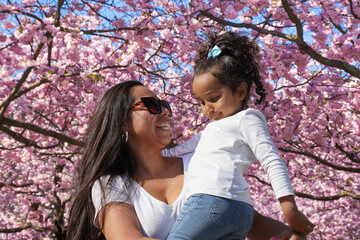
{"points": [[150, 163]]}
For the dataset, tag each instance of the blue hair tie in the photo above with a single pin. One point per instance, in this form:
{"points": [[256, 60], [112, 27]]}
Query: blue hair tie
{"points": [[214, 52]]}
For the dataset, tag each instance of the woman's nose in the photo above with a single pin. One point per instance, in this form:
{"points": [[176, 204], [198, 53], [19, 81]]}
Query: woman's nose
{"points": [[164, 111]]}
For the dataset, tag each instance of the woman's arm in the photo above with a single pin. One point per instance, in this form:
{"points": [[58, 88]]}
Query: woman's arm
{"points": [[184, 148], [265, 228], [120, 222]]}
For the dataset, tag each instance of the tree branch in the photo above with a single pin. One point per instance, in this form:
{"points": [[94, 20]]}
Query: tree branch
{"points": [[302, 83], [18, 137], [34, 128], [58, 13], [15, 230], [17, 186], [246, 25], [27, 226], [33, 86], [353, 71], [352, 10], [96, 12], [322, 161], [351, 156], [338, 27], [96, 70], [4, 105], [111, 67], [294, 19], [313, 197], [16, 12], [68, 30], [14, 93]]}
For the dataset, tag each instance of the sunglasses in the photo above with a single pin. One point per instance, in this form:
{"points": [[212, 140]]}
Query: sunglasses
{"points": [[153, 105]]}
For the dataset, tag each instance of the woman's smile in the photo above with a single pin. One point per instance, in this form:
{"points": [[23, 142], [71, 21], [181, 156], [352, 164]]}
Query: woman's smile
{"points": [[164, 126]]}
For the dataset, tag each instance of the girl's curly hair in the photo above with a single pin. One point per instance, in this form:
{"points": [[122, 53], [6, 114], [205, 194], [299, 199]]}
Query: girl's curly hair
{"points": [[236, 63]]}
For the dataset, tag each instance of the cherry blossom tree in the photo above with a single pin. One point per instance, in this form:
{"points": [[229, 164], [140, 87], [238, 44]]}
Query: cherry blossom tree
{"points": [[59, 57]]}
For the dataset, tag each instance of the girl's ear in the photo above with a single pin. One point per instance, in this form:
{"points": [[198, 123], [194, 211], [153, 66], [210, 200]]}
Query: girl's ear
{"points": [[241, 90]]}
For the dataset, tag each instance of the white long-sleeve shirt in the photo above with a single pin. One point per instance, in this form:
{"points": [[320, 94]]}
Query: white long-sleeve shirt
{"points": [[225, 151]]}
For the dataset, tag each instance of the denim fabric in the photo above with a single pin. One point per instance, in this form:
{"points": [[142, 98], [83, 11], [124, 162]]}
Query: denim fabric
{"points": [[209, 217]]}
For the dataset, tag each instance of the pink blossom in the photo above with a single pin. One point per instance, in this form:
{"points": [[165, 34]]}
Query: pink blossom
{"points": [[312, 108], [230, 12], [8, 24], [28, 2]]}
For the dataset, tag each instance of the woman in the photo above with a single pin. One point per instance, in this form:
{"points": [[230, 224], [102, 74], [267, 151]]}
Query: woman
{"points": [[126, 189]]}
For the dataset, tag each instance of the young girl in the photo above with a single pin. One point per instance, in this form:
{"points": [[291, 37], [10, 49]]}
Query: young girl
{"points": [[218, 202]]}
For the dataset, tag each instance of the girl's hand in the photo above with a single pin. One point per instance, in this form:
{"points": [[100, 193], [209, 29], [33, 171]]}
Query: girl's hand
{"points": [[296, 220], [299, 222]]}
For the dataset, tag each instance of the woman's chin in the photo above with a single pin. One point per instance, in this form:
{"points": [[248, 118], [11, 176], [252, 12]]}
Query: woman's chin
{"points": [[165, 140]]}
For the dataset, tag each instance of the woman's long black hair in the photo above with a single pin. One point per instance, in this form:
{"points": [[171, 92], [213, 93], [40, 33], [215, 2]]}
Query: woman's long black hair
{"points": [[105, 153], [236, 63]]}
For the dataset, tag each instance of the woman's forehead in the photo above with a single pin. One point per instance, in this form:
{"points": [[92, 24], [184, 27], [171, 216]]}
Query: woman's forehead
{"points": [[142, 91]]}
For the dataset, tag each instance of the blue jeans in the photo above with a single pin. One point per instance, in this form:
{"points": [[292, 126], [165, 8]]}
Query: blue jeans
{"points": [[209, 217]]}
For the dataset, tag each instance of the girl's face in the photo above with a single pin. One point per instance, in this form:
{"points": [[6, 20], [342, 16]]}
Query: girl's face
{"points": [[146, 129], [217, 100]]}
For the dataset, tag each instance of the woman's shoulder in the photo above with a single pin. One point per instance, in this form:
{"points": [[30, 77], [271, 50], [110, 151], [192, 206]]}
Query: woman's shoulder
{"points": [[110, 186], [111, 181], [107, 190]]}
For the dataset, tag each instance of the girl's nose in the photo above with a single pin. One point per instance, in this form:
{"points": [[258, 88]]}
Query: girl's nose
{"points": [[209, 109]]}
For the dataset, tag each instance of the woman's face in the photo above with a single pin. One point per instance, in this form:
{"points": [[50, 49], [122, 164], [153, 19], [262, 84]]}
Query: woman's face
{"points": [[146, 129]]}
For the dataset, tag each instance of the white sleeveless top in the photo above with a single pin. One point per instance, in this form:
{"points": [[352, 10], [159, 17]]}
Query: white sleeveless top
{"points": [[156, 217]]}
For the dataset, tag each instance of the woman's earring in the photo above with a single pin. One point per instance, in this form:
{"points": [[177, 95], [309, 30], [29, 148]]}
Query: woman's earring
{"points": [[126, 136]]}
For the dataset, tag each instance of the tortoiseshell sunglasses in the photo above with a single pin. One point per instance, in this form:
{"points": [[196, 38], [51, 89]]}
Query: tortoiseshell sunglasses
{"points": [[153, 105]]}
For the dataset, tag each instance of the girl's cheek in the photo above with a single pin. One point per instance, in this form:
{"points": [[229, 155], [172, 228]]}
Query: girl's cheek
{"points": [[203, 110]]}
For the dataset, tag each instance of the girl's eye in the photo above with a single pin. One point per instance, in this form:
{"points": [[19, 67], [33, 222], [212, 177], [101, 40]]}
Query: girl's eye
{"points": [[202, 102], [214, 99]]}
